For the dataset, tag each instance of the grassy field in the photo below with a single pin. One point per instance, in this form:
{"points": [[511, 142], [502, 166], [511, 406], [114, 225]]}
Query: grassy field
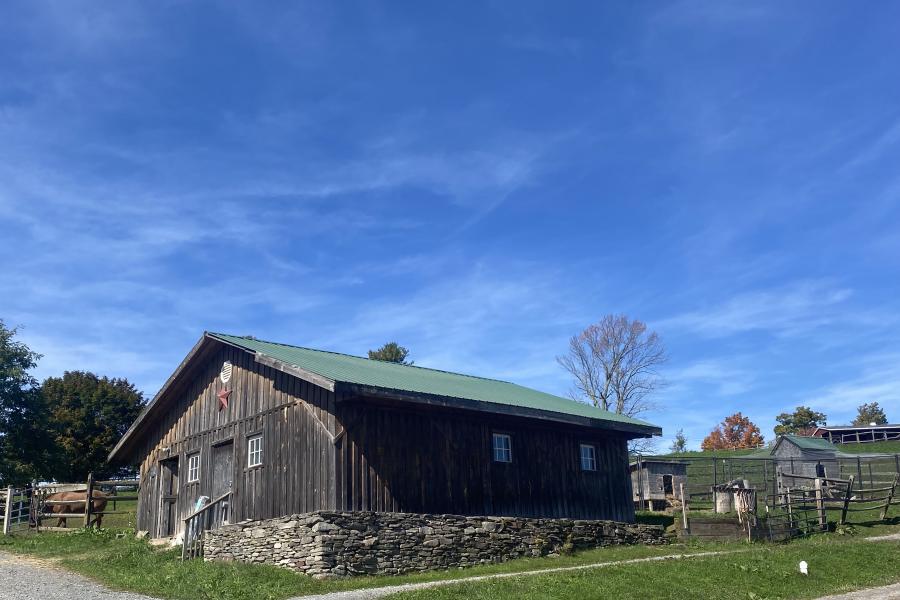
{"points": [[120, 561], [891, 447], [765, 572]]}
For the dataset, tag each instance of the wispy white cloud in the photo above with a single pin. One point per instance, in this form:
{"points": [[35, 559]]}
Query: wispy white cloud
{"points": [[505, 321], [872, 377], [716, 377], [886, 141], [792, 310]]}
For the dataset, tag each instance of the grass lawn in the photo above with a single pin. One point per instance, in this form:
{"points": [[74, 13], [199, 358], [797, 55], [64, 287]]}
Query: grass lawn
{"points": [[123, 562], [765, 572], [889, 447], [130, 564]]}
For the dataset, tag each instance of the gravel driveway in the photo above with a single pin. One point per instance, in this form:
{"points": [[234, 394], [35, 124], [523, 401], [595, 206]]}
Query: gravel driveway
{"points": [[24, 578]]}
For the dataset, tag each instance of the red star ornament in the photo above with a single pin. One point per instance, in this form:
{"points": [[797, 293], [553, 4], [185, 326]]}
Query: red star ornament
{"points": [[223, 398]]}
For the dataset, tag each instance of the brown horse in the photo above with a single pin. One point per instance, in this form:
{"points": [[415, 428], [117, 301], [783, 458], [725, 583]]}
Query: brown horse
{"points": [[74, 504]]}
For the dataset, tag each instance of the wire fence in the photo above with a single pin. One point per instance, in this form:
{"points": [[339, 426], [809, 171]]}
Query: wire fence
{"points": [[790, 496], [766, 474]]}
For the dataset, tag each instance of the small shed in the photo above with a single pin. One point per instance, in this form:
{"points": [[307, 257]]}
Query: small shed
{"points": [[655, 482], [806, 456]]}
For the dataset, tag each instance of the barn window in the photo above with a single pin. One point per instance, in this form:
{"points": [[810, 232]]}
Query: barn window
{"points": [[588, 457], [254, 451], [502, 448], [194, 467]]}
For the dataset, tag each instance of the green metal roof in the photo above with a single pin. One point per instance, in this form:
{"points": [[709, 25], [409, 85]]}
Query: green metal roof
{"points": [[408, 378], [810, 443]]}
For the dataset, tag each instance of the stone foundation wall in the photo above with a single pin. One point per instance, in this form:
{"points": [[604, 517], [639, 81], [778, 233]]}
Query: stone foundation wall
{"points": [[337, 544]]}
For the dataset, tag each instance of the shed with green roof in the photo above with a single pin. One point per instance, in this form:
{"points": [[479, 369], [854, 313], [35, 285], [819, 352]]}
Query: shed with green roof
{"points": [[276, 429]]}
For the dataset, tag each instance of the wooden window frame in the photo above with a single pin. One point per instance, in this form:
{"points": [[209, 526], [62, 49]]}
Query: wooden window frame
{"points": [[259, 451], [191, 467], [495, 435], [593, 457]]}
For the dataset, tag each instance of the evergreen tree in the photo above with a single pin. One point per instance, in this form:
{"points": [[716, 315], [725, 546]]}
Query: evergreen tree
{"points": [[391, 352]]}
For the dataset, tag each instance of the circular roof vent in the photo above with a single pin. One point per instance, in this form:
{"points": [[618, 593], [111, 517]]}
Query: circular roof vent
{"points": [[225, 373]]}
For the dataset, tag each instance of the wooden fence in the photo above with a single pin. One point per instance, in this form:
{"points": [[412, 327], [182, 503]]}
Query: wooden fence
{"points": [[36, 500], [802, 509], [801, 505]]}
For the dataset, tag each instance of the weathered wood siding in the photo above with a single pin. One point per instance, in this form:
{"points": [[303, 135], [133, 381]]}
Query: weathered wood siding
{"points": [[411, 459], [652, 479], [324, 451], [296, 419], [791, 459]]}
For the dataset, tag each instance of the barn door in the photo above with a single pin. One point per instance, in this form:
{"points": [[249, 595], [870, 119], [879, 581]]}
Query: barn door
{"points": [[168, 497], [223, 473]]}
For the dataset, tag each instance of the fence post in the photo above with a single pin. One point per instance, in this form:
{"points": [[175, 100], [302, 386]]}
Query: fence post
{"points": [[715, 483], [859, 474], [8, 511], [820, 504], [890, 497], [684, 509], [847, 500], [790, 510], [88, 499]]}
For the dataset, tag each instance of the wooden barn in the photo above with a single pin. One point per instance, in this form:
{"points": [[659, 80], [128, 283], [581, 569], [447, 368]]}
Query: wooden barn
{"points": [[655, 483], [277, 429]]}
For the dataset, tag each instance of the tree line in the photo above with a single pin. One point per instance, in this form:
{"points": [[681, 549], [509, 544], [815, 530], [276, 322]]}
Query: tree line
{"points": [[62, 428], [737, 431]]}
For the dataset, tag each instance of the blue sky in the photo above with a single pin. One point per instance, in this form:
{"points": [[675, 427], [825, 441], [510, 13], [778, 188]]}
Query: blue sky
{"points": [[478, 181]]}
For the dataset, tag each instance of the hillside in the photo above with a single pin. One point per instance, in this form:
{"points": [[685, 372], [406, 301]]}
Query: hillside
{"points": [[890, 447]]}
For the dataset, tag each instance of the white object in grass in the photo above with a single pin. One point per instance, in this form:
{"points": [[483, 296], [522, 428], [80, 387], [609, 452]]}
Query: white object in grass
{"points": [[804, 568]]}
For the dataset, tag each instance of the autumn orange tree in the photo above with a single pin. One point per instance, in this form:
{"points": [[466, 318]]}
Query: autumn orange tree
{"points": [[736, 431]]}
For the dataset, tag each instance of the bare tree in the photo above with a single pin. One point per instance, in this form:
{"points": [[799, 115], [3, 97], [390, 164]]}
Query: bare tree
{"points": [[614, 363]]}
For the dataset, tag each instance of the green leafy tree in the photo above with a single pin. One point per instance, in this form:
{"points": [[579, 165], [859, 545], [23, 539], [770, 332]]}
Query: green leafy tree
{"points": [[391, 352], [802, 421], [679, 444], [870, 413], [88, 415], [25, 450]]}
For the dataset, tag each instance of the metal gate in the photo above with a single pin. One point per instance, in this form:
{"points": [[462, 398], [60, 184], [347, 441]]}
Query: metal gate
{"points": [[15, 506]]}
